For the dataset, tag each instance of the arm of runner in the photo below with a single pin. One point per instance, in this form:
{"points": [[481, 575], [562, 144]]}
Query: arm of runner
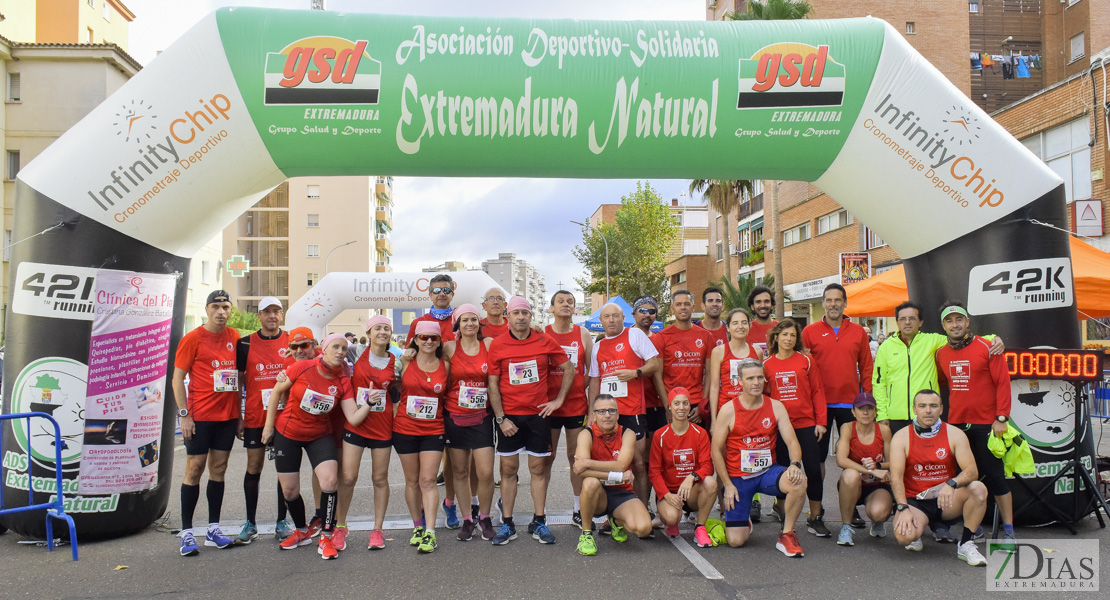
{"points": [[355, 415], [794, 449], [277, 398], [722, 425], [878, 387], [997, 347], [821, 411], [1000, 375], [882, 470], [903, 519], [713, 380], [655, 473], [865, 361], [494, 391], [546, 408], [843, 444], [188, 427]]}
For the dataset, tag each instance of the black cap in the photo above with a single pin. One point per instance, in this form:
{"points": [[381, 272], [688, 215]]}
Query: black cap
{"points": [[218, 296]]}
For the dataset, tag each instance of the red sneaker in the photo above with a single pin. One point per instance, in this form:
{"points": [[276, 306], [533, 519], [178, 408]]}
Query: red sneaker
{"points": [[339, 538], [298, 539], [314, 526], [671, 531], [701, 537], [788, 545], [326, 549], [377, 540]]}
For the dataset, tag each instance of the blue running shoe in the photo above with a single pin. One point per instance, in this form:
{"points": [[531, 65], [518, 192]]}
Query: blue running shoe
{"points": [[217, 538], [506, 534], [189, 545], [543, 534], [452, 513], [284, 529]]}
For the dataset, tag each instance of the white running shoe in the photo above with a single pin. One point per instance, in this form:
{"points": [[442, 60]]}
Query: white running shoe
{"points": [[915, 546], [969, 553]]}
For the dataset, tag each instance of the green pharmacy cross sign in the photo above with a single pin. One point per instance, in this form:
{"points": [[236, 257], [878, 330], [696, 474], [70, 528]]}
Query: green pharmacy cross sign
{"points": [[238, 265]]}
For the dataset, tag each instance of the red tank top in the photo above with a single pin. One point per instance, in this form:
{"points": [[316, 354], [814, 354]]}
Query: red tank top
{"points": [[730, 381], [750, 447], [422, 398], [265, 359], [608, 447], [312, 402], [929, 462], [615, 354], [379, 423], [469, 380], [575, 404], [858, 451]]}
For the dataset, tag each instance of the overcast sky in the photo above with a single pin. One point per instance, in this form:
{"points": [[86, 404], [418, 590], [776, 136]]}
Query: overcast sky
{"points": [[544, 206]]}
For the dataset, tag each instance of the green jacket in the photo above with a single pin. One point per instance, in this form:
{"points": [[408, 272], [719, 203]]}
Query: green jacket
{"points": [[901, 372]]}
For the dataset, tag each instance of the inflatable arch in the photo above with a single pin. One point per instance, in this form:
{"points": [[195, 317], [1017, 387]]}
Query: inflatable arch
{"points": [[249, 97]]}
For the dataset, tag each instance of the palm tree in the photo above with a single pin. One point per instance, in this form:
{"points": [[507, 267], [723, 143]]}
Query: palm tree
{"points": [[724, 196]]}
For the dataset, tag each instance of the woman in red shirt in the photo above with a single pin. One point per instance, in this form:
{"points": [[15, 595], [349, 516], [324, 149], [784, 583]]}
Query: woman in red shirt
{"points": [[724, 380], [794, 380], [469, 421], [314, 388], [373, 382], [418, 429]]}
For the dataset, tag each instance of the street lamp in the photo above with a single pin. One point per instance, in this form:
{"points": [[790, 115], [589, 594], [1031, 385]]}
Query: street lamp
{"points": [[588, 226], [333, 250]]}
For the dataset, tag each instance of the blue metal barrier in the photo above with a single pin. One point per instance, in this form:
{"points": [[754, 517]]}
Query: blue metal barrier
{"points": [[1098, 397], [55, 509]]}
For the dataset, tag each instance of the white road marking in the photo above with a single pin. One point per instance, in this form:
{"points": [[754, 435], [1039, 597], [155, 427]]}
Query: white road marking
{"points": [[708, 570]]}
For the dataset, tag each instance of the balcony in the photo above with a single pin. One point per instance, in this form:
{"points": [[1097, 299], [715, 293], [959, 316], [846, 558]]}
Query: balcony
{"points": [[382, 267], [385, 215], [382, 243], [752, 256], [748, 209]]}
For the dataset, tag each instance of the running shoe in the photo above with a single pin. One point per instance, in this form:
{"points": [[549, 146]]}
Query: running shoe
{"points": [[778, 512], [216, 538], [506, 534], [298, 539], [915, 546], [377, 540], [979, 533], [487, 528], [1006, 540], [576, 519], [339, 538], [314, 526], [417, 536], [543, 534], [857, 521], [189, 544], [606, 528], [816, 526], [656, 522], [466, 531], [845, 537], [587, 546], [756, 509], [501, 510], [532, 526], [247, 534], [283, 529], [701, 536], [439, 478], [690, 518], [619, 534], [788, 545], [671, 531], [326, 549], [969, 553], [878, 529], [452, 513], [428, 542], [942, 534], [497, 483]]}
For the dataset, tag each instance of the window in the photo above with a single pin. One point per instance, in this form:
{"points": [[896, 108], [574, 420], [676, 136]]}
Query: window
{"points": [[314, 250], [720, 252], [313, 278], [832, 221], [973, 6], [1078, 50], [107, 12], [13, 165], [205, 272], [313, 220], [795, 235], [91, 36], [757, 234], [92, 3], [1064, 149], [313, 191], [872, 239], [13, 87], [910, 28]]}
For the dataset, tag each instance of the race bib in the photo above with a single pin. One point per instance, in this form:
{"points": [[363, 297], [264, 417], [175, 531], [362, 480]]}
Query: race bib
{"points": [[266, 398], [572, 354], [226, 380], [614, 387], [422, 407], [754, 461], [734, 370], [315, 403], [472, 397], [372, 396], [523, 372]]}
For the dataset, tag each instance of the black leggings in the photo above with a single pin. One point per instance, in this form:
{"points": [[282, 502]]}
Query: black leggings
{"points": [[811, 461], [287, 452], [991, 471]]}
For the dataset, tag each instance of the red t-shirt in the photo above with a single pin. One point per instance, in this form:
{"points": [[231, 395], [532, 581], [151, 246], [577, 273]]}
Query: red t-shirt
{"points": [[978, 383], [208, 356], [674, 456], [843, 357], [445, 328], [607, 448], [684, 352], [615, 354], [929, 462], [750, 447], [575, 404], [312, 398], [719, 335], [470, 379], [730, 384], [522, 369], [422, 398], [757, 334], [797, 384], [492, 331], [857, 451], [379, 423], [265, 358]]}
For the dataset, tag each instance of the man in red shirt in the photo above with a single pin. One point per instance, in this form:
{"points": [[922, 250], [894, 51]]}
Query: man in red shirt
{"points": [[934, 480], [713, 304], [619, 364], [684, 350], [494, 304], [978, 385], [518, 372], [644, 311], [441, 289], [259, 357], [761, 301], [681, 469], [209, 415]]}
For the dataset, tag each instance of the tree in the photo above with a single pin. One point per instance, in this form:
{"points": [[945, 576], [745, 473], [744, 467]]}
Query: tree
{"points": [[638, 243], [735, 294], [245, 322], [724, 196]]}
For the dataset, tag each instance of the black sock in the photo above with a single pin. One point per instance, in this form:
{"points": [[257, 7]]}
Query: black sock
{"points": [[190, 494], [250, 490], [215, 493], [966, 535], [328, 499], [283, 507], [320, 511], [509, 521], [539, 518], [296, 510]]}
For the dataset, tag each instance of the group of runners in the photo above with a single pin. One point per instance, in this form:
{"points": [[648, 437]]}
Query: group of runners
{"points": [[732, 411]]}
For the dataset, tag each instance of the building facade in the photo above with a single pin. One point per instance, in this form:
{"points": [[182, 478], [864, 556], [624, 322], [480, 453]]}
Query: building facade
{"points": [[519, 278]]}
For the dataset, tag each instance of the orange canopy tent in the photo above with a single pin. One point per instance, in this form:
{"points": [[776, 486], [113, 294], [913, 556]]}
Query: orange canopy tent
{"points": [[877, 296]]}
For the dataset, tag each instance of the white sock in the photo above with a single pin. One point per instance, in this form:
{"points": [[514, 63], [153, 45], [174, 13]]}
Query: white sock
{"points": [[474, 501], [185, 532], [212, 526], [577, 505]]}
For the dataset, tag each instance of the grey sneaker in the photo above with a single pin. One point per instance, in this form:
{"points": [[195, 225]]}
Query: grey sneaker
{"points": [[284, 529], [942, 534], [878, 529], [969, 553], [915, 546], [816, 526], [247, 534], [845, 537]]}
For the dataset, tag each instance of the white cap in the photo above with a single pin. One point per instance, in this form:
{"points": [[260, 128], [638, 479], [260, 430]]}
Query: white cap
{"points": [[267, 302]]}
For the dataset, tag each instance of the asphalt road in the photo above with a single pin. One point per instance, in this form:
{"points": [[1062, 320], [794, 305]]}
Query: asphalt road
{"points": [[657, 568]]}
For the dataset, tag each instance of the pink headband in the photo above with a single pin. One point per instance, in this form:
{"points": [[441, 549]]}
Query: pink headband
{"points": [[518, 303], [378, 320], [331, 338], [428, 328], [464, 309]]}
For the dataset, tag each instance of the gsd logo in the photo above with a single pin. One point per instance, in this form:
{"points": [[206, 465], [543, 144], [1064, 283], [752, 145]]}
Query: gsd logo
{"points": [[322, 70], [790, 74]]}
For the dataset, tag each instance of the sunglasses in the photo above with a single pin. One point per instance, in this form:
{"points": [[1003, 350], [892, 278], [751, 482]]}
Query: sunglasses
{"points": [[442, 290], [646, 311], [425, 338], [605, 411], [300, 346]]}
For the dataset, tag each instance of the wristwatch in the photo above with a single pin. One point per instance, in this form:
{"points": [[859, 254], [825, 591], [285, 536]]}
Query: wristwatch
{"points": [[639, 373], [953, 483], [499, 420], [795, 463], [901, 507], [182, 412], [1002, 418], [696, 477]]}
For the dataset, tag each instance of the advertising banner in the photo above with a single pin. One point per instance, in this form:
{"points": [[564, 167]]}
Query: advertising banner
{"points": [[854, 267]]}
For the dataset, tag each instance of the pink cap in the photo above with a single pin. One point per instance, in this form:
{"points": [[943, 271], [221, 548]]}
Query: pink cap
{"points": [[378, 320], [518, 303], [331, 338], [464, 309], [676, 392], [428, 328]]}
